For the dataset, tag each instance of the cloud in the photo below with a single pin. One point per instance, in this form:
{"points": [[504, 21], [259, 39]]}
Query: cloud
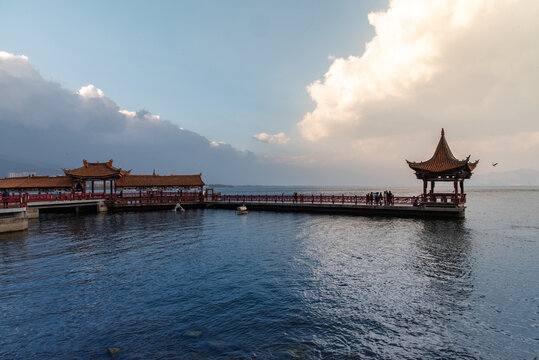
{"points": [[279, 138], [49, 126], [17, 66], [90, 91], [217, 143], [469, 64]]}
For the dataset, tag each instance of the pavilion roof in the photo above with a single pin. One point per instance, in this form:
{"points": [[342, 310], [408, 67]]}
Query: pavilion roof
{"points": [[96, 171], [140, 181], [443, 160], [37, 182]]}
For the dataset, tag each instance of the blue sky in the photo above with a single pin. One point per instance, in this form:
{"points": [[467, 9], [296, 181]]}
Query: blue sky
{"points": [[298, 92], [224, 69]]}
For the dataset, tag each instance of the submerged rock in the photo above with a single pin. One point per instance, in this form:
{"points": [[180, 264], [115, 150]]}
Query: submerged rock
{"points": [[193, 333], [113, 350]]}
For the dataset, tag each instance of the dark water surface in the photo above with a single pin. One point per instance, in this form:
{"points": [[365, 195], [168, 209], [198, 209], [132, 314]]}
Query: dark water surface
{"points": [[211, 284]]}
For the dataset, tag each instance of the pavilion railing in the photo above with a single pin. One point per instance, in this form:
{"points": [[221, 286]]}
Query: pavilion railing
{"points": [[127, 198], [444, 198], [9, 202], [155, 199]]}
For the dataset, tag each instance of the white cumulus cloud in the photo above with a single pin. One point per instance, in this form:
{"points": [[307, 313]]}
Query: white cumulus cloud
{"points": [[90, 91], [468, 63], [279, 138]]}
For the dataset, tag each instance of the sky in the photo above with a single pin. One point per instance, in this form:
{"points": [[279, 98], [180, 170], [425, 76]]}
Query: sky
{"points": [[271, 92]]}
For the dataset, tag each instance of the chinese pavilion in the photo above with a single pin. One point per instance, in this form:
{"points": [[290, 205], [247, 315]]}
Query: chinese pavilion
{"points": [[443, 166], [75, 180], [95, 172]]}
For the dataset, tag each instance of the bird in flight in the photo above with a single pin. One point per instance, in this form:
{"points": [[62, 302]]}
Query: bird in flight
{"points": [[494, 164]]}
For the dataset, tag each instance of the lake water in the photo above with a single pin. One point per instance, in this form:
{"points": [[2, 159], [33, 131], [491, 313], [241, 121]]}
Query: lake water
{"points": [[209, 284]]}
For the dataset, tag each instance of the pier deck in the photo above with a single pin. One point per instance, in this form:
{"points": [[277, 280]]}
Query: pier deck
{"points": [[421, 211], [443, 207]]}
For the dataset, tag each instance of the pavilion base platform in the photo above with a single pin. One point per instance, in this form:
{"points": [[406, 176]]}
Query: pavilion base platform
{"points": [[13, 220], [32, 213], [422, 211]]}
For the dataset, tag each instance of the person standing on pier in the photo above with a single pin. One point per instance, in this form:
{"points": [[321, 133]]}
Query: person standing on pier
{"points": [[5, 195]]}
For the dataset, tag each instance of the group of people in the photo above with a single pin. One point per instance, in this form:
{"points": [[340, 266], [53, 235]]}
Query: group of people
{"points": [[379, 198]]}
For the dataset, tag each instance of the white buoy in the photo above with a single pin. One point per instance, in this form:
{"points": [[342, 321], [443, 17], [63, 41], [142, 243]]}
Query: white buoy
{"points": [[179, 207]]}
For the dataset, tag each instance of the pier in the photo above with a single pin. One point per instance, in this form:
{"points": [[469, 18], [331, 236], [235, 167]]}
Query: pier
{"points": [[394, 206], [438, 206], [101, 187]]}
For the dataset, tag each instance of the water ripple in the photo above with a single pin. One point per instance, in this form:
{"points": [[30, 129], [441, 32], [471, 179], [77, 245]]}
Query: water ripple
{"points": [[210, 284]]}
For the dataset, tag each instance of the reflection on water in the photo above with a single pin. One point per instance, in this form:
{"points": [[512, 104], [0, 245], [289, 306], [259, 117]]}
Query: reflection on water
{"points": [[444, 257], [211, 284]]}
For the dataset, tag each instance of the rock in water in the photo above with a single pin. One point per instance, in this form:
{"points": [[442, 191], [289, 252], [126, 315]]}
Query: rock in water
{"points": [[113, 350], [193, 333]]}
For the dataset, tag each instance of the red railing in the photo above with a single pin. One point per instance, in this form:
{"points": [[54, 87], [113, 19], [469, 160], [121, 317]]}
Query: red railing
{"points": [[317, 199], [444, 198], [165, 199], [65, 197], [148, 198], [8, 202], [124, 198]]}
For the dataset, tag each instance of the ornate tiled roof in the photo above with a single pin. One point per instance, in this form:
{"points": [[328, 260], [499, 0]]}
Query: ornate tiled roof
{"points": [[140, 181], [37, 182], [443, 160], [96, 171]]}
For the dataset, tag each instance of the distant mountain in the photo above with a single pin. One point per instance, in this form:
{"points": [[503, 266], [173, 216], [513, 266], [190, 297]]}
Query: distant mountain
{"points": [[11, 166], [516, 177]]}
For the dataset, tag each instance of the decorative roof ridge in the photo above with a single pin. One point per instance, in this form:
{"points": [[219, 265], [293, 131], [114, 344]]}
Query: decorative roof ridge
{"points": [[442, 150], [442, 159]]}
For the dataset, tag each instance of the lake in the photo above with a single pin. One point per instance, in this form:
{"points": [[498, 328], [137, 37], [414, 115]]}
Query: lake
{"points": [[209, 284]]}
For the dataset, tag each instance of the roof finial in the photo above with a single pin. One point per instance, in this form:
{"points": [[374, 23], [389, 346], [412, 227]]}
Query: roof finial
{"points": [[153, 172], [443, 133]]}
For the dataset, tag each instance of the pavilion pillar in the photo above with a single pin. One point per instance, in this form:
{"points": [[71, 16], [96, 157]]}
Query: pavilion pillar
{"points": [[84, 187], [462, 187], [104, 188], [92, 187], [432, 186]]}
